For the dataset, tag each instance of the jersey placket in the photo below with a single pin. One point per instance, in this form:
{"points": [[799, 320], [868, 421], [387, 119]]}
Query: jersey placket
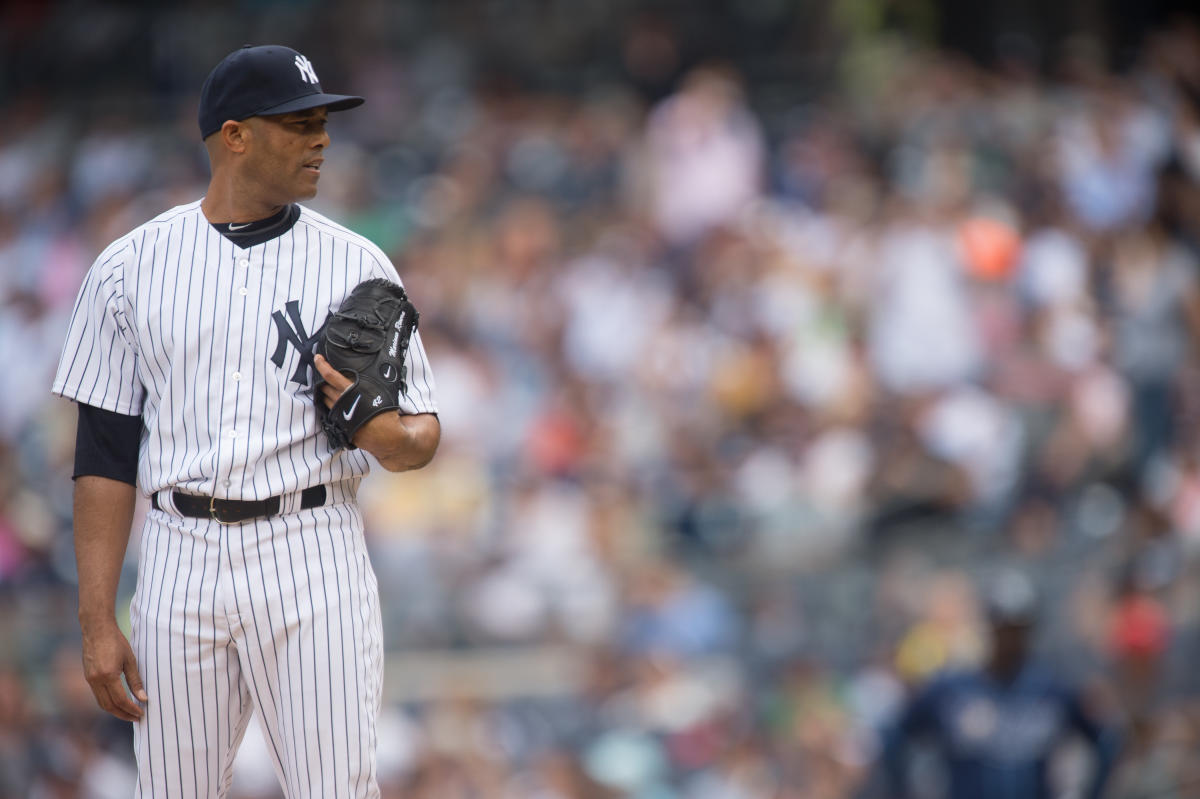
{"points": [[234, 421]]}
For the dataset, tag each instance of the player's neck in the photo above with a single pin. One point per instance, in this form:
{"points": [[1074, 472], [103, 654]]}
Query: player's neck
{"points": [[1005, 670], [223, 203]]}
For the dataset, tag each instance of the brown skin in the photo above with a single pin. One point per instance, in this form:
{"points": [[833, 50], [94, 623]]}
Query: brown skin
{"points": [[1010, 649], [103, 516], [259, 165]]}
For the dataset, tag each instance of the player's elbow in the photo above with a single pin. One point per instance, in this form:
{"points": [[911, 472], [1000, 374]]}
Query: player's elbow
{"points": [[423, 435], [408, 461]]}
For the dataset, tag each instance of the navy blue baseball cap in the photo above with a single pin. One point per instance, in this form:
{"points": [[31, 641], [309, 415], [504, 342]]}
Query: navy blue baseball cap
{"points": [[1011, 598], [267, 79]]}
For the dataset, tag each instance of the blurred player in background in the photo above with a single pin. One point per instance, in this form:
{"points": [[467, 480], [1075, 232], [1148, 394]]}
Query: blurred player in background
{"points": [[997, 728]]}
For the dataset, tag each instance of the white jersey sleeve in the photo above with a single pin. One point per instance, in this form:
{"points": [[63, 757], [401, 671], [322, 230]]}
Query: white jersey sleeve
{"points": [[420, 395], [99, 359]]}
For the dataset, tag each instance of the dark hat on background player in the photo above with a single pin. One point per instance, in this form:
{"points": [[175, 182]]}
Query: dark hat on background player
{"points": [[1010, 598], [267, 79]]}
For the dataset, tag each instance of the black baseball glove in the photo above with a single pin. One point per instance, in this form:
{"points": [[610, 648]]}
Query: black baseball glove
{"points": [[365, 339]]}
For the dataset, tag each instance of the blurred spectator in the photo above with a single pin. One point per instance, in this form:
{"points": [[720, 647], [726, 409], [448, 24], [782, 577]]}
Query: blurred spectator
{"points": [[704, 156], [669, 613], [1156, 299]]}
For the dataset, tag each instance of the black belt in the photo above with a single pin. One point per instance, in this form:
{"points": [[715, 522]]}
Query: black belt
{"points": [[232, 511]]}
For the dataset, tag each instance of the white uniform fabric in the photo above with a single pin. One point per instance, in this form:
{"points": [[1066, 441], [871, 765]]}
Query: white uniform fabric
{"points": [[277, 615], [176, 323], [202, 339]]}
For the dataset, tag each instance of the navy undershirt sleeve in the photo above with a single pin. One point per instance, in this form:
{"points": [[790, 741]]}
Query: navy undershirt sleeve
{"points": [[106, 444]]}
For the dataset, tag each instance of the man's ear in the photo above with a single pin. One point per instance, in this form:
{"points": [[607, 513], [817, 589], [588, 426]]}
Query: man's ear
{"points": [[235, 135]]}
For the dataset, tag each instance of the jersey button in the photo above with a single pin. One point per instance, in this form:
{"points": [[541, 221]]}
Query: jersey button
{"points": [[243, 262], [237, 375], [233, 434], [243, 291]]}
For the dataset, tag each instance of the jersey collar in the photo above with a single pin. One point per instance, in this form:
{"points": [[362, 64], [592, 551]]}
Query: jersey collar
{"points": [[248, 234]]}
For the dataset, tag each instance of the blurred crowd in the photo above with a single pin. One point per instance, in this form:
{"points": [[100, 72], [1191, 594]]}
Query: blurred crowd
{"points": [[741, 398]]}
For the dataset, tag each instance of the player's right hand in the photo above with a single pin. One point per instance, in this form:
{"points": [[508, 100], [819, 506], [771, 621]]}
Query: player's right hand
{"points": [[106, 656]]}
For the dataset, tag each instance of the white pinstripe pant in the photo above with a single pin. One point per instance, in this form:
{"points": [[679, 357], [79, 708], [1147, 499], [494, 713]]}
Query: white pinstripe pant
{"points": [[278, 615]]}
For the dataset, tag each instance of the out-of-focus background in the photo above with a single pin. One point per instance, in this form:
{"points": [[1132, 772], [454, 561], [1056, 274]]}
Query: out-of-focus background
{"points": [[763, 332]]}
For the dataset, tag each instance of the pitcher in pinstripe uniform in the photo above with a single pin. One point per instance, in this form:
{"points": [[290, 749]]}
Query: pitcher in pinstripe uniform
{"points": [[189, 357]]}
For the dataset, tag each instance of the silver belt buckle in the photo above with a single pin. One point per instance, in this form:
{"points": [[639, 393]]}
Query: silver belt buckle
{"points": [[212, 511]]}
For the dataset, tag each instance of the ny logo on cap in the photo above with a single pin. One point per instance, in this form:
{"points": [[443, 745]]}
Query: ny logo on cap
{"points": [[307, 73]]}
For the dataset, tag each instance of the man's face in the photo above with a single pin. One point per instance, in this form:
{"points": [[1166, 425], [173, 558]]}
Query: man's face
{"points": [[1010, 643], [284, 154]]}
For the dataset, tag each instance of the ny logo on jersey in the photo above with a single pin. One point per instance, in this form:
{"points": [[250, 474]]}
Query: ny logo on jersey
{"points": [[298, 337], [307, 73]]}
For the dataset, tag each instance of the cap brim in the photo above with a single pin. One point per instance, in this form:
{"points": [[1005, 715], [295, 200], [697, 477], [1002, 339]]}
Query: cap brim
{"points": [[333, 102]]}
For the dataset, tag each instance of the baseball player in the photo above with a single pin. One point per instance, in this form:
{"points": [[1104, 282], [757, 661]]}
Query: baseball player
{"points": [[997, 728], [190, 357]]}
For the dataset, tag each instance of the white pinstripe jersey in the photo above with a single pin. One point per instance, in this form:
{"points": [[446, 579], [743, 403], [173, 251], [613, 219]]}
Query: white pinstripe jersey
{"points": [[201, 338]]}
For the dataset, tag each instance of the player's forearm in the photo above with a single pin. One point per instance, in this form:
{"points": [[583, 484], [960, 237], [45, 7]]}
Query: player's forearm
{"points": [[401, 443], [103, 517]]}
